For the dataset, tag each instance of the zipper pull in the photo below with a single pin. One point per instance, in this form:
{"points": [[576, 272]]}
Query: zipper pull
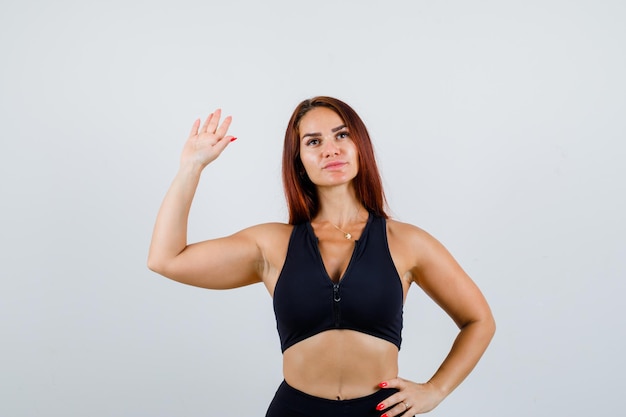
{"points": [[336, 295], [336, 299]]}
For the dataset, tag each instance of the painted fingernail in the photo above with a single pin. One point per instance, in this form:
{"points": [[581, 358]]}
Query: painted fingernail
{"points": [[384, 415], [382, 384], [233, 139], [380, 406]]}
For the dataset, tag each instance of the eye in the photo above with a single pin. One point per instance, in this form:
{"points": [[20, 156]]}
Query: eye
{"points": [[312, 142], [343, 134]]}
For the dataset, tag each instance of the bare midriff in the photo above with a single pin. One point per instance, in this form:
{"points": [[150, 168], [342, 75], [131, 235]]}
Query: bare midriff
{"points": [[340, 364]]}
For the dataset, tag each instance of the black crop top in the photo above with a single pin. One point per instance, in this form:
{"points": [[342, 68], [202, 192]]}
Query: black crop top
{"points": [[368, 298]]}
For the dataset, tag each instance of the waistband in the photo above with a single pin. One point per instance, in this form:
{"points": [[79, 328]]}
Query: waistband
{"points": [[291, 402], [381, 393]]}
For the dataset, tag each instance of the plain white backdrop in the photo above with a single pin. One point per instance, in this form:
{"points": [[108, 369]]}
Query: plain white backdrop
{"points": [[499, 128]]}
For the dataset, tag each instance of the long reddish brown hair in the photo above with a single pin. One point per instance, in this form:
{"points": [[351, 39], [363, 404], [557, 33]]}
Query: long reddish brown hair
{"points": [[301, 193]]}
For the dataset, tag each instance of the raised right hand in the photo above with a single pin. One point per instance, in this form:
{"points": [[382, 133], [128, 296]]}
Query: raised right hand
{"points": [[205, 144]]}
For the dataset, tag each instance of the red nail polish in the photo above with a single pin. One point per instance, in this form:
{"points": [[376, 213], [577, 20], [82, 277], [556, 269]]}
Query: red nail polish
{"points": [[384, 415], [233, 139], [380, 407], [382, 384]]}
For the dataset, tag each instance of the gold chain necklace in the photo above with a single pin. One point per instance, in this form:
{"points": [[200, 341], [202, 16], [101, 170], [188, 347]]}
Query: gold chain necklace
{"points": [[347, 235]]}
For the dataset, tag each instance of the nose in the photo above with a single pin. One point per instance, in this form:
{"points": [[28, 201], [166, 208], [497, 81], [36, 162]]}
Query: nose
{"points": [[330, 148]]}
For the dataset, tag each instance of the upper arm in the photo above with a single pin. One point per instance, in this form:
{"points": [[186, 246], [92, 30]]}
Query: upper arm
{"points": [[222, 263], [443, 279]]}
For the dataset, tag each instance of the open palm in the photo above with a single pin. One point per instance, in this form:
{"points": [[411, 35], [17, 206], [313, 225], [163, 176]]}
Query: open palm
{"points": [[206, 143]]}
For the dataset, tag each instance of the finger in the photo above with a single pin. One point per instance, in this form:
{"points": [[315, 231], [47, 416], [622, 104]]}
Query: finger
{"points": [[221, 131], [392, 383], [389, 404], [206, 123], [222, 144], [214, 121], [400, 409], [194, 128]]}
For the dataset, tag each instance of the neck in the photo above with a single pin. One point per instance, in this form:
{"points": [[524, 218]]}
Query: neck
{"points": [[339, 206]]}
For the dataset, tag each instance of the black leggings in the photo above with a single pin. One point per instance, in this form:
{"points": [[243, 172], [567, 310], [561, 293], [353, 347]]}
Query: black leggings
{"points": [[290, 402]]}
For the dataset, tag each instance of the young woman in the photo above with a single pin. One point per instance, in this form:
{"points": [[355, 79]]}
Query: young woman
{"points": [[338, 272]]}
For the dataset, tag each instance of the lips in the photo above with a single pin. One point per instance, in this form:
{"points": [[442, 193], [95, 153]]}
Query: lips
{"points": [[334, 165]]}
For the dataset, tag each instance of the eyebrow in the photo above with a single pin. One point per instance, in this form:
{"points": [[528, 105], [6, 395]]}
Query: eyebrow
{"points": [[335, 129]]}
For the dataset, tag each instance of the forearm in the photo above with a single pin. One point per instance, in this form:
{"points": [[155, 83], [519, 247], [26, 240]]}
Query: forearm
{"points": [[169, 237], [468, 347]]}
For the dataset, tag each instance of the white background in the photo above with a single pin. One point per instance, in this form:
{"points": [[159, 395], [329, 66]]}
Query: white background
{"points": [[499, 127]]}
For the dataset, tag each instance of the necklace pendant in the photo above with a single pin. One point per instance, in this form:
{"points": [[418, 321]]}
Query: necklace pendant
{"points": [[348, 236]]}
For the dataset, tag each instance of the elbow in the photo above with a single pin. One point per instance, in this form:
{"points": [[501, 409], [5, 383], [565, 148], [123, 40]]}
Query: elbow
{"points": [[487, 323], [152, 265], [489, 326], [491, 323], [155, 265], [484, 325]]}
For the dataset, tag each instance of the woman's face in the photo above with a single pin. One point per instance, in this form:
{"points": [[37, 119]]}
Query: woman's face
{"points": [[327, 152]]}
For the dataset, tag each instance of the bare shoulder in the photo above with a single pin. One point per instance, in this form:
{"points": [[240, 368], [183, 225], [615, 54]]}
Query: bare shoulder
{"points": [[401, 227], [406, 242], [415, 248], [271, 227], [408, 234], [268, 234], [271, 239]]}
